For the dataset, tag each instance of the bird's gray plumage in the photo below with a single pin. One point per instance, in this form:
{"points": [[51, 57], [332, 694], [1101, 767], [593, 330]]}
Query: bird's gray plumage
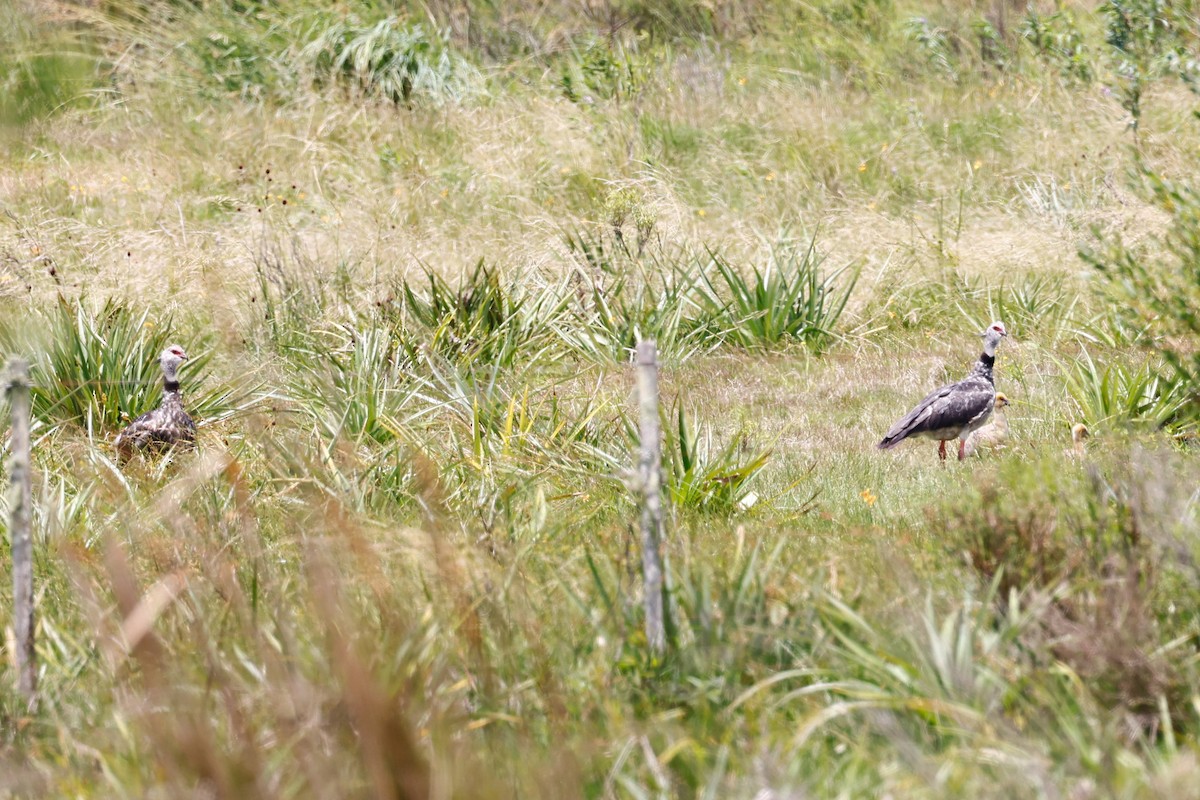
{"points": [[955, 410], [166, 426]]}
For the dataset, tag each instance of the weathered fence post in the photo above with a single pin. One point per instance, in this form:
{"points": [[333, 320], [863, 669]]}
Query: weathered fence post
{"points": [[650, 481], [20, 509]]}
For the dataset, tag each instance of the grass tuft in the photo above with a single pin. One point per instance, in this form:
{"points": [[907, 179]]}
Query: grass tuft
{"points": [[390, 60]]}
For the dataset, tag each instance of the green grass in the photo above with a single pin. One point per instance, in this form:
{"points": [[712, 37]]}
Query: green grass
{"points": [[410, 248]]}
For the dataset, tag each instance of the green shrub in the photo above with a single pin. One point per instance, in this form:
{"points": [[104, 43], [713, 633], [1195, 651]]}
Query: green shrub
{"points": [[43, 68], [1057, 39], [1160, 295], [1108, 569], [390, 60], [603, 71], [1147, 39], [622, 299], [353, 382], [726, 625], [238, 56], [934, 43]]}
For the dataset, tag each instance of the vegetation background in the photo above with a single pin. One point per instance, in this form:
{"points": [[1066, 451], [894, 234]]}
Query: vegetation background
{"points": [[410, 245]]}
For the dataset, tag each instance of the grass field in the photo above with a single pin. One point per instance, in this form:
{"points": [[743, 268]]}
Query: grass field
{"points": [[409, 247]]}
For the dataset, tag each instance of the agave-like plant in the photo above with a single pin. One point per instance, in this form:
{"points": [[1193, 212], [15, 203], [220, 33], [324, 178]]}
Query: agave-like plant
{"points": [[706, 476], [100, 369], [352, 381], [788, 300], [486, 320], [1032, 303], [623, 299], [1118, 395]]}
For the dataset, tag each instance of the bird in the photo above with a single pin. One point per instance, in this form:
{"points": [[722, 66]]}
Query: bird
{"points": [[957, 409], [1079, 435], [166, 426], [994, 435]]}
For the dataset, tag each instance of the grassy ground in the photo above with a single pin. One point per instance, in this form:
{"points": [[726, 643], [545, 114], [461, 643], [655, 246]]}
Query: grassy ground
{"points": [[403, 561]]}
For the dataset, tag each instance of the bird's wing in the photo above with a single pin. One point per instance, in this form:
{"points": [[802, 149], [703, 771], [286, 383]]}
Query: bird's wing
{"points": [[957, 405], [138, 428], [156, 426]]}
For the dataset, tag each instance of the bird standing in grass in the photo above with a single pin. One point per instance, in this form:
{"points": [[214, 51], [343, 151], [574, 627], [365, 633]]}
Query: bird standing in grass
{"points": [[166, 426], [994, 435], [955, 410]]}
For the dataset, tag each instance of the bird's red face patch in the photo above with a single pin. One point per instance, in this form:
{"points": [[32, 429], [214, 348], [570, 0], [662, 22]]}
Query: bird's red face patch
{"points": [[1000, 330], [177, 352]]}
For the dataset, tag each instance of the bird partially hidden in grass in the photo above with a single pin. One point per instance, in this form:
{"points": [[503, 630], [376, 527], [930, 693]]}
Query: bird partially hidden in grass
{"points": [[994, 435], [168, 425], [956, 410], [1079, 437]]}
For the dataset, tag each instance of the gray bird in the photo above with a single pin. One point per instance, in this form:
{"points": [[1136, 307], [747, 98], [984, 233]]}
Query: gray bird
{"points": [[954, 411], [166, 426]]}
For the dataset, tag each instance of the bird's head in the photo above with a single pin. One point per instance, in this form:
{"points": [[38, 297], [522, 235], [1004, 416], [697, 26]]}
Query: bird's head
{"points": [[170, 359], [1079, 432], [992, 336], [1001, 400]]}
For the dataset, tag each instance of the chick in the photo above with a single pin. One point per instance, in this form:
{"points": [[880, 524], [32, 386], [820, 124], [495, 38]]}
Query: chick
{"points": [[992, 436], [1079, 436]]}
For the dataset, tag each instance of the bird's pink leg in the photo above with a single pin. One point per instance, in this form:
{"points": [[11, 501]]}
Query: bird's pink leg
{"points": [[962, 447], [942, 450]]}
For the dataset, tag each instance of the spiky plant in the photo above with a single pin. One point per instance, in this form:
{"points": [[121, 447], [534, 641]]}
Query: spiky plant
{"points": [[1116, 395], [789, 300], [704, 475], [353, 382], [622, 299], [487, 319], [99, 369]]}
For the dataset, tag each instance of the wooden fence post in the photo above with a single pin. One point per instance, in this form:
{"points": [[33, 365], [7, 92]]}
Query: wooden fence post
{"points": [[20, 509], [650, 481]]}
